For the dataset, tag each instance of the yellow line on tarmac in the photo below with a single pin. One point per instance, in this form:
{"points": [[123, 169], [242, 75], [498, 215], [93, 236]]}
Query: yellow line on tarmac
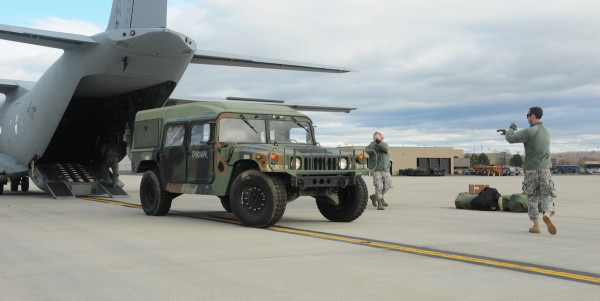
{"points": [[464, 258], [439, 254]]}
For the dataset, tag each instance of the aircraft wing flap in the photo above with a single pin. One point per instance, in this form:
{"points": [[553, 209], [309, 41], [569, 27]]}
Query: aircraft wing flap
{"points": [[228, 59], [45, 38]]}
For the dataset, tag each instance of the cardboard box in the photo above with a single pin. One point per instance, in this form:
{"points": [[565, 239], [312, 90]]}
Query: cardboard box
{"points": [[476, 188]]}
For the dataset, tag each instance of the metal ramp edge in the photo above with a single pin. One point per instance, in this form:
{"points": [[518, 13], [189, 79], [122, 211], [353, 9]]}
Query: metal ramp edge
{"points": [[72, 180]]}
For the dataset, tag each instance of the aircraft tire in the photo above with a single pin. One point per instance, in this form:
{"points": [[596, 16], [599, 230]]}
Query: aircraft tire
{"points": [[353, 201], [156, 201], [25, 184], [258, 200], [14, 185], [226, 203]]}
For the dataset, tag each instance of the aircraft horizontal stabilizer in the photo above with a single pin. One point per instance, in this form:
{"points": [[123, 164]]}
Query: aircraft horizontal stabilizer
{"points": [[228, 59], [45, 38]]}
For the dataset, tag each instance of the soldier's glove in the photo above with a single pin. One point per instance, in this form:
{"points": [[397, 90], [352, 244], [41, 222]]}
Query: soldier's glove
{"points": [[377, 141], [502, 132], [513, 126]]}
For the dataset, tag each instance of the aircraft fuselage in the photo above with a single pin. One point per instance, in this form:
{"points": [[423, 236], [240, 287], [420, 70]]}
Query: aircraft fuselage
{"points": [[116, 70]]}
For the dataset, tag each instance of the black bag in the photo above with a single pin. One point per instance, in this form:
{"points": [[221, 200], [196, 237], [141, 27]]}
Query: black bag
{"points": [[487, 200]]}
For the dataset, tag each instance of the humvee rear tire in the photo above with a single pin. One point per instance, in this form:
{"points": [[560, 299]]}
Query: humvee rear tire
{"points": [[226, 203], [154, 198], [14, 185], [353, 201], [25, 184], [257, 200]]}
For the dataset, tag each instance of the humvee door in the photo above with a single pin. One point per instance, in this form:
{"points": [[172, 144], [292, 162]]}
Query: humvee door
{"points": [[200, 154], [172, 157]]}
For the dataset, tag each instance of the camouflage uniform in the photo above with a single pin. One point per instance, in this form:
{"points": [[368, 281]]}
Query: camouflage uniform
{"points": [[379, 163], [539, 188], [110, 152], [382, 180], [537, 184]]}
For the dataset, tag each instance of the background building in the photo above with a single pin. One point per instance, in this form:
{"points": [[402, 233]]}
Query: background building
{"points": [[422, 157]]}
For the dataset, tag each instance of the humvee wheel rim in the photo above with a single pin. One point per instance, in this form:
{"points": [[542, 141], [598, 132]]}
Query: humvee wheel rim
{"points": [[254, 199]]}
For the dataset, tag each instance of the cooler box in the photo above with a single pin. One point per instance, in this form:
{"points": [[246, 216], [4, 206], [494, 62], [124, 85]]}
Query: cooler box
{"points": [[476, 188]]}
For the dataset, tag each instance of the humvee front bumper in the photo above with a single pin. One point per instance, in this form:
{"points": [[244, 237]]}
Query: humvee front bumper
{"points": [[323, 181]]}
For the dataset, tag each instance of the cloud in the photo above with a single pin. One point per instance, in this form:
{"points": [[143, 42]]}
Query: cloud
{"points": [[435, 73]]}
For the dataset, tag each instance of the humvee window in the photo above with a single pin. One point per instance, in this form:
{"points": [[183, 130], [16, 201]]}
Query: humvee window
{"points": [[175, 135], [242, 130], [282, 131], [200, 134]]}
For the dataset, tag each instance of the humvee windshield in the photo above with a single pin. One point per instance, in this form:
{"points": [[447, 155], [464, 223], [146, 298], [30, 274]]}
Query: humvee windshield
{"points": [[255, 131]]}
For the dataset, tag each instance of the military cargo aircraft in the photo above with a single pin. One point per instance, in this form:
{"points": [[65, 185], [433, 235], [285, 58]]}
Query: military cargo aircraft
{"points": [[51, 130]]}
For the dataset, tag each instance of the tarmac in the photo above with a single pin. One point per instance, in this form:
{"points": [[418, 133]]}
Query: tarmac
{"points": [[419, 248]]}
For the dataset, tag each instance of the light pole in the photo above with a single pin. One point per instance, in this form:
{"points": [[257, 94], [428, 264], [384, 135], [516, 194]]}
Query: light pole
{"points": [[503, 161]]}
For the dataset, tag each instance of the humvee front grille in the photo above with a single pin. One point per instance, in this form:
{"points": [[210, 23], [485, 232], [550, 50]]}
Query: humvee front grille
{"points": [[321, 163]]}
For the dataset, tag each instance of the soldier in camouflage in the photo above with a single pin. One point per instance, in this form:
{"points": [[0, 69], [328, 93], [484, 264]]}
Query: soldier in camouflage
{"points": [[110, 155], [537, 184], [379, 163]]}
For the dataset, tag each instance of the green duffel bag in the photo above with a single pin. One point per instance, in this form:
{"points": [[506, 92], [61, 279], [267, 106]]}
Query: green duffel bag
{"points": [[463, 200], [518, 203], [505, 200]]}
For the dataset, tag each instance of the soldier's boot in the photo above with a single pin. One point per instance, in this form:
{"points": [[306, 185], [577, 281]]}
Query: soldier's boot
{"points": [[373, 198], [536, 227], [380, 205], [383, 202], [549, 223]]}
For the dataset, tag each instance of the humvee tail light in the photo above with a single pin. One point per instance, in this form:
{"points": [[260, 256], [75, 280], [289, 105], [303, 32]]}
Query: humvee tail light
{"points": [[343, 163]]}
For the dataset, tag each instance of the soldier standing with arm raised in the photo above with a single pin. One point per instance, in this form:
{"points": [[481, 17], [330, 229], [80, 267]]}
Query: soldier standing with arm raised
{"points": [[537, 184], [379, 163]]}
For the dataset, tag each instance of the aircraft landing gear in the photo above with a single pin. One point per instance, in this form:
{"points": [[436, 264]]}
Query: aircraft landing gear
{"points": [[23, 181]]}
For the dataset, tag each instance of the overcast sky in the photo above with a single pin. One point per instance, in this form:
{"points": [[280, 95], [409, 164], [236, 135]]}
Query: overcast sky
{"points": [[443, 73]]}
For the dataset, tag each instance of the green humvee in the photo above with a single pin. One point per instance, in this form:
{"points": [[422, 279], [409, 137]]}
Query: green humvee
{"points": [[255, 157]]}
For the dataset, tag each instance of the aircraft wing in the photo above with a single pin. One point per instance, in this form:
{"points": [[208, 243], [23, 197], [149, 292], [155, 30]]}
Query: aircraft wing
{"points": [[179, 101], [320, 108], [45, 38], [228, 59], [7, 85]]}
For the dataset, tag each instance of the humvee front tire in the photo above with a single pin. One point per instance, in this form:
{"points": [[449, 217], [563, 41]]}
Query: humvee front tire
{"points": [[154, 198], [257, 200], [353, 201]]}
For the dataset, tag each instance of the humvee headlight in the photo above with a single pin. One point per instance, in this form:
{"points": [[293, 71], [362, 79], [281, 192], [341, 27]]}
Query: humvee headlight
{"points": [[274, 158], [343, 163], [296, 163]]}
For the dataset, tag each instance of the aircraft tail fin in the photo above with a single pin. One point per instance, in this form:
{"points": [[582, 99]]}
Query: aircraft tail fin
{"points": [[128, 14]]}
